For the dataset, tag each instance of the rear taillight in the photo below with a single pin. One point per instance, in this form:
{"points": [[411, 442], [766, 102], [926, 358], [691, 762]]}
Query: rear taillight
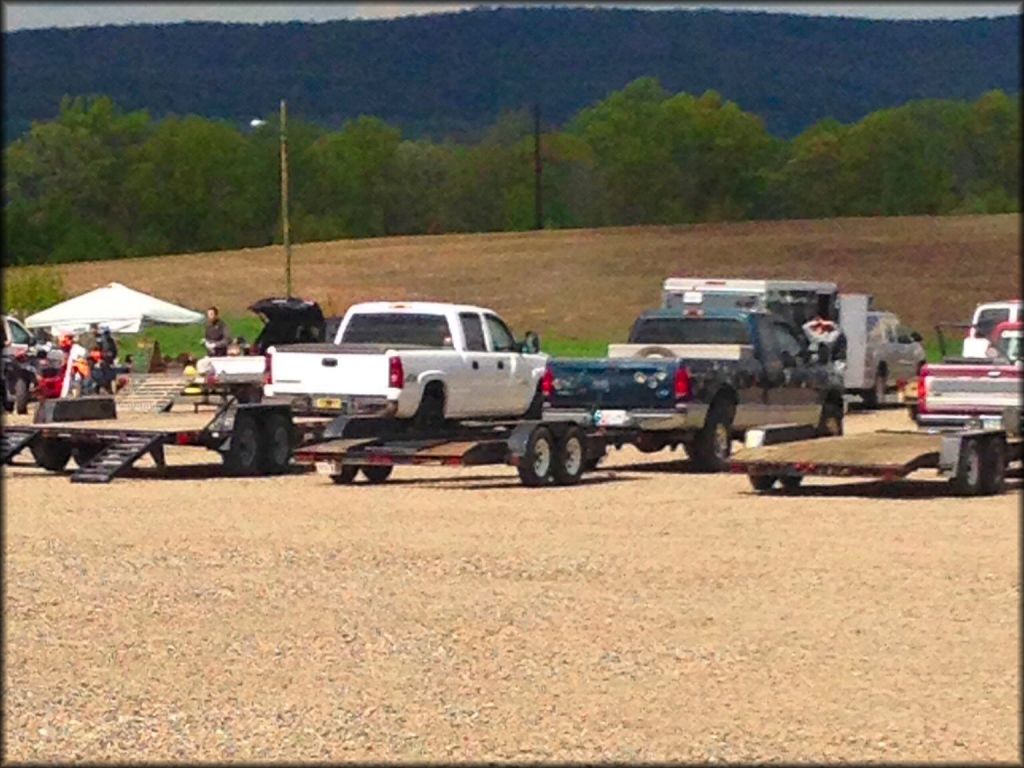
{"points": [[547, 384], [396, 375], [682, 384], [922, 390], [268, 369]]}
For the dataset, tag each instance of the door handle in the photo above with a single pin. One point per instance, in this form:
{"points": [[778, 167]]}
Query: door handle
{"points": [[476, 365], [501, 365]]}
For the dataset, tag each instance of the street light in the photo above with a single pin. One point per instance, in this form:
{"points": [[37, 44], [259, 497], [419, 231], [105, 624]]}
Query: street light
{"points": [[285, 233]]}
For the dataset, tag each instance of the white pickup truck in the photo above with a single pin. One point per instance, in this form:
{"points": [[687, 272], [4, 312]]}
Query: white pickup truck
{"points": [[413, 360]]}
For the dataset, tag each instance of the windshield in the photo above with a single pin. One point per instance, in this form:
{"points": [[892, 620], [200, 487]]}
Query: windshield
{"points": [[689, 330], [399, 329]]}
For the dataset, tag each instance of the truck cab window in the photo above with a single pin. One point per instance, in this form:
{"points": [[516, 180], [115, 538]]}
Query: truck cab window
{"points": [[473, 331], [502, 339], [399, 329]]}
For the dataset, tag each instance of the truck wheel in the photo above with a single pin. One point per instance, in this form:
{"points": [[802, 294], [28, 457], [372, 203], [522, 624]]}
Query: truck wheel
{"points": [[569, 458], [993, 476], [244, 455], [762, 483], [377, 473], [873, 397], [536, 409], [536, 462], [345, 476], [276, 449], [713, 445], [969, 470], [51, 453], [83, 454], [430, 414], [831, 422], [21, 396]]}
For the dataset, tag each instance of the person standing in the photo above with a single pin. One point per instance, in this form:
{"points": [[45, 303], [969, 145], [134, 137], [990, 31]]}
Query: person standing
{"points": [[216, 336]]}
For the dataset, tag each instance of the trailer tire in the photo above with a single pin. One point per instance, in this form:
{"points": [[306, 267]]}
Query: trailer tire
{"points": [[570, 458], [51, 453], [276, 449], [969, 470], [377, 473], [536, 462], [244, 455], [762, 483], [993, 476], [712, 447], [345, 476], [21, 396], [83, 454]]}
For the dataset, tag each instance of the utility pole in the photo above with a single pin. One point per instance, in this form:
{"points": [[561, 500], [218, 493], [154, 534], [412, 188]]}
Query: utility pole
{"points": [[285, 234], [538, 170]]}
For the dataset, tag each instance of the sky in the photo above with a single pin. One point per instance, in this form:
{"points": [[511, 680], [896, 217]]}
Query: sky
{"points": [[35, 15]]}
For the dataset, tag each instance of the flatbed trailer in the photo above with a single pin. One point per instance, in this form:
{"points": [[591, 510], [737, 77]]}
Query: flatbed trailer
{"points": [[543, 452], [974, 460], [252, 438]]}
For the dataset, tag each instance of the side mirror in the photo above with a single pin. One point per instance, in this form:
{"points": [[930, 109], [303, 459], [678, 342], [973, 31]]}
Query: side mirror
{"points": [[915, 336], [530, 344]]}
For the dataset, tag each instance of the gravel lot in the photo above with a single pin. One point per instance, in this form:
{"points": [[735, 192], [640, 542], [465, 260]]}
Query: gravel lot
{"points": [[452, 615]]}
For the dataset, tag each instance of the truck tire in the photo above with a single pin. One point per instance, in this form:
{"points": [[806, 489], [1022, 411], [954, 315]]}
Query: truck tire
{"points": [[993, 475], [570, 458], [276, 444], [345, 476], [536, 409], [21, 396], [245, 452], [536, 462], [430, 414], [830, 424], [377, 473], [969, 470], [873, 397], [762, 483], [83, 454], [712, 447], [51, 453]]}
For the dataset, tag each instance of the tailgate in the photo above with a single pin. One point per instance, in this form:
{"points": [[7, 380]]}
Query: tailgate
{"points": [[971, 388], [328, 369], [626, 384]]}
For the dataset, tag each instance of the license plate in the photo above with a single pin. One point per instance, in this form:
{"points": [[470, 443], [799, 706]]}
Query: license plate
{"points": [[610, 418], [996, 423], [329, 403], [324, 468]]}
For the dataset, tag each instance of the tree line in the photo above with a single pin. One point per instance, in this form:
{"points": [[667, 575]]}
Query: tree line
{"points": [[98, 182]]}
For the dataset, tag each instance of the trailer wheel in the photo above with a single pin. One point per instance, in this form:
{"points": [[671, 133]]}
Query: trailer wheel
{"points": [[570, 460], [83, 454], [21, 396], [536, 462], [345, 476], [762, 483], [276, 449], [51, 453], [243, 456], [993, 476], [713, 445], [377, 473], [791, 482], [969, 470]]}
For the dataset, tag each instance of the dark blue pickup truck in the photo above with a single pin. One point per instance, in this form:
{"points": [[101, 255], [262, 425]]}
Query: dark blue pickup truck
{"points": [[697, 380]]}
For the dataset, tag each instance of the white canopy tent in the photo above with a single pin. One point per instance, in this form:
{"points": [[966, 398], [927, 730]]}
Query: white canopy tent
{"points": [[116, 306]]}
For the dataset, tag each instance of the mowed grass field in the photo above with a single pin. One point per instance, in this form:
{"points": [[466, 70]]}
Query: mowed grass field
{"points": [[582, 288]]}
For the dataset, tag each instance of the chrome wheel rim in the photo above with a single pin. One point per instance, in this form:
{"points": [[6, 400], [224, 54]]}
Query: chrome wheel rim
{"points": [[541, 457], [573, 458]]}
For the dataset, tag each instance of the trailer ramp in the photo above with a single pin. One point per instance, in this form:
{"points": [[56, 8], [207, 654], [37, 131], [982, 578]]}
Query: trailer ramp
{"points": [[15, 441], [115, 457]]}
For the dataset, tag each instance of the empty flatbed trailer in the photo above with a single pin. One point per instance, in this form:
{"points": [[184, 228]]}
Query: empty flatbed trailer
{"points": [[253, 439], [975, 461]]}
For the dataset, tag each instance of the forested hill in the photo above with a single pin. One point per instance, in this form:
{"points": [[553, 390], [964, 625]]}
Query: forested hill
{"points": [[453, 74]]}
